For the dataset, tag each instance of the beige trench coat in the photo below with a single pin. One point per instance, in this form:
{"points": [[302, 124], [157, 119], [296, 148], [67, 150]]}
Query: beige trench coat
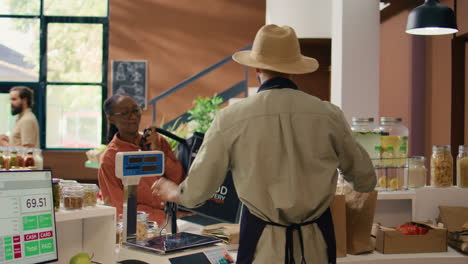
{"points": [[283, 147]]}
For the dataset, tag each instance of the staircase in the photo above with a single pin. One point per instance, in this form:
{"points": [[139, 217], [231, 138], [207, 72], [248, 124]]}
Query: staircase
{"points": [[226, 95]]}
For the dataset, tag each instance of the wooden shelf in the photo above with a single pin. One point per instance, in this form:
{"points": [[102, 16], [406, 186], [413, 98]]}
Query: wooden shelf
{"points": [[397, 195]]}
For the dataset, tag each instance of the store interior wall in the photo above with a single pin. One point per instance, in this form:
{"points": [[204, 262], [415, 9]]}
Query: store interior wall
{"points": [[179, 39]]}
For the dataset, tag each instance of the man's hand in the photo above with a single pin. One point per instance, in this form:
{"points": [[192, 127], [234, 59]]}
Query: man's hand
{"points": [[4, 140], [166, 190]]}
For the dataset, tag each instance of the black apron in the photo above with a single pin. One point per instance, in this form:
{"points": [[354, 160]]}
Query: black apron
{"points": [[251, 228]]}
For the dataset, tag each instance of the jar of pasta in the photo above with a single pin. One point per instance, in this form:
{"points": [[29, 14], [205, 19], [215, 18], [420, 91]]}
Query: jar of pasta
{"points": [[90, 194], [73, 197], [462, 167], [441, 166]]}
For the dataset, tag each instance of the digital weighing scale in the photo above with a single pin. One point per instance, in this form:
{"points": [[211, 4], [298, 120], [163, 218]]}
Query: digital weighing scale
{"points": [[131, 167]]}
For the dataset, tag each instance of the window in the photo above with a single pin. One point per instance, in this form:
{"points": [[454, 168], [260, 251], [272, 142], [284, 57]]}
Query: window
{"points": [[60, 50]]}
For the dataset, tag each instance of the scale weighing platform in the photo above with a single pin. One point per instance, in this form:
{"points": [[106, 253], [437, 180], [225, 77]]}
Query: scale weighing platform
{"points": [[131, 167]]}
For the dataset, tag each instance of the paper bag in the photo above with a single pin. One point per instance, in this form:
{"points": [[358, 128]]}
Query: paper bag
{"points": [[229, 233], [360, 209], [338, 211]]}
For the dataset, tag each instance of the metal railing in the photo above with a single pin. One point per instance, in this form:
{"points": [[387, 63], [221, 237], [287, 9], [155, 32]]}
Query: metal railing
{"points": [[225, 95]]}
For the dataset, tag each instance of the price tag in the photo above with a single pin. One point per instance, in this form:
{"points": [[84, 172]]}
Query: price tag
{"points": [[36, 203]]}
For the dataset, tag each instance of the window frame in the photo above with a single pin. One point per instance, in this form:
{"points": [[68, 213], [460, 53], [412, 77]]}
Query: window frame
{"points": [[40, 87]]}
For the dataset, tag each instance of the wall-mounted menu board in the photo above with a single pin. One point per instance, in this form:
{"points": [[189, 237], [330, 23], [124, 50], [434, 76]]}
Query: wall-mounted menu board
{"points": [[130, 77]]}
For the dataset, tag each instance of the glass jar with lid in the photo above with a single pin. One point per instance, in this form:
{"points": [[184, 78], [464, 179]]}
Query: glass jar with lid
{"points": [[29, 160], [56, 193], [142, 226], [13, 162], [417, 172], [441, 166], [2, 163], [365, 133], [393, 133], [90, 194], [65, 183], [462, 167], [73, 197]]}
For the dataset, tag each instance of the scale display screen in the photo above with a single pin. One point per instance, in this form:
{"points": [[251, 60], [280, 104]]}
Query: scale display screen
{"points": [[143, 163], [27, 219]]}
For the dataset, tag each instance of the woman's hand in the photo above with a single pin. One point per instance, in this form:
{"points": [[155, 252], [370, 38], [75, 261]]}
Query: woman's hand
{"points": [[150, 138], [166, 190]]}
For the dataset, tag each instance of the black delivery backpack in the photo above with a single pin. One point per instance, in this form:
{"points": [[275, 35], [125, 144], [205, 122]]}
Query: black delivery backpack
{"points": [[223, 206]]}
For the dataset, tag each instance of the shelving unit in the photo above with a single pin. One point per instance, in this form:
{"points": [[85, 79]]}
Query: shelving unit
{"points": [[90, 230]]}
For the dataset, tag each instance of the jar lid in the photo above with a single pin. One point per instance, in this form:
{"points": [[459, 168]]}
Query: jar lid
{"points": [[55, 180], [390, 119], [76, 189], [441, 147], [462, 147], [90, 187], [417, 158], [362, 119]]}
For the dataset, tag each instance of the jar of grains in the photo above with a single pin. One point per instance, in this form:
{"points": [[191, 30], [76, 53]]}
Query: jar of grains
{"points": [[441, 166], [462, 167], [73, 197], [90, 194], [56, 193]]}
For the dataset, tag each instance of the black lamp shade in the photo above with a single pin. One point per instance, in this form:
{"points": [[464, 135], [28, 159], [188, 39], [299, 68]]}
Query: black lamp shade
{"points": [[431, 18]]}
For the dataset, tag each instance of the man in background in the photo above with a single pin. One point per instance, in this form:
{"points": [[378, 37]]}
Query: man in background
{"points": [[26, 130]]}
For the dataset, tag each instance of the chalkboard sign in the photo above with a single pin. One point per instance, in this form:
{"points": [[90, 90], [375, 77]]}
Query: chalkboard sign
{"points": [[129, 77]]}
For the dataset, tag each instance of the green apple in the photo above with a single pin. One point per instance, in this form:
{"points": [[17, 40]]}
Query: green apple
{"points": [[80, 258]]}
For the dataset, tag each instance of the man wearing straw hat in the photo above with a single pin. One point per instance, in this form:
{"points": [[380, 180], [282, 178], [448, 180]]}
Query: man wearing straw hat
{"points": [[283, 147]]}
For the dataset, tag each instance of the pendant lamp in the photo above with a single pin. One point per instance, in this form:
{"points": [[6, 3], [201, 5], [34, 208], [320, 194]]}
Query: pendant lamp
{"points": [[431, 18]]}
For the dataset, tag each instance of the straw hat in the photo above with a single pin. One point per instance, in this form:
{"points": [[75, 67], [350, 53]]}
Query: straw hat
{"points": [[277, 49]]}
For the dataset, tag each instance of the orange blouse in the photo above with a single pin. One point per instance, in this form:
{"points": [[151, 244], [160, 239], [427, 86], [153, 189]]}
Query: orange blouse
{"points": [[112, 187]]}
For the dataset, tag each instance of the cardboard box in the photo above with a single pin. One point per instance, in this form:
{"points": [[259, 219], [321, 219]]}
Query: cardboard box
{"points": [[338, 211], [392, 241]]}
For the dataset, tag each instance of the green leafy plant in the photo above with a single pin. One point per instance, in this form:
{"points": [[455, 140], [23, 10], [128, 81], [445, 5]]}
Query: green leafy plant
{"points": [[203, 113], [180, 130]]}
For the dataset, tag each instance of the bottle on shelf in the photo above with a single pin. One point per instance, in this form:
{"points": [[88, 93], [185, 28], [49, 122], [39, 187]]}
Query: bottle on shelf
{"points": [[417, 172], [29, 160], [20, 154], [462, 167], [2, 165], [38, 160], [441, 166], [13, 162]]}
